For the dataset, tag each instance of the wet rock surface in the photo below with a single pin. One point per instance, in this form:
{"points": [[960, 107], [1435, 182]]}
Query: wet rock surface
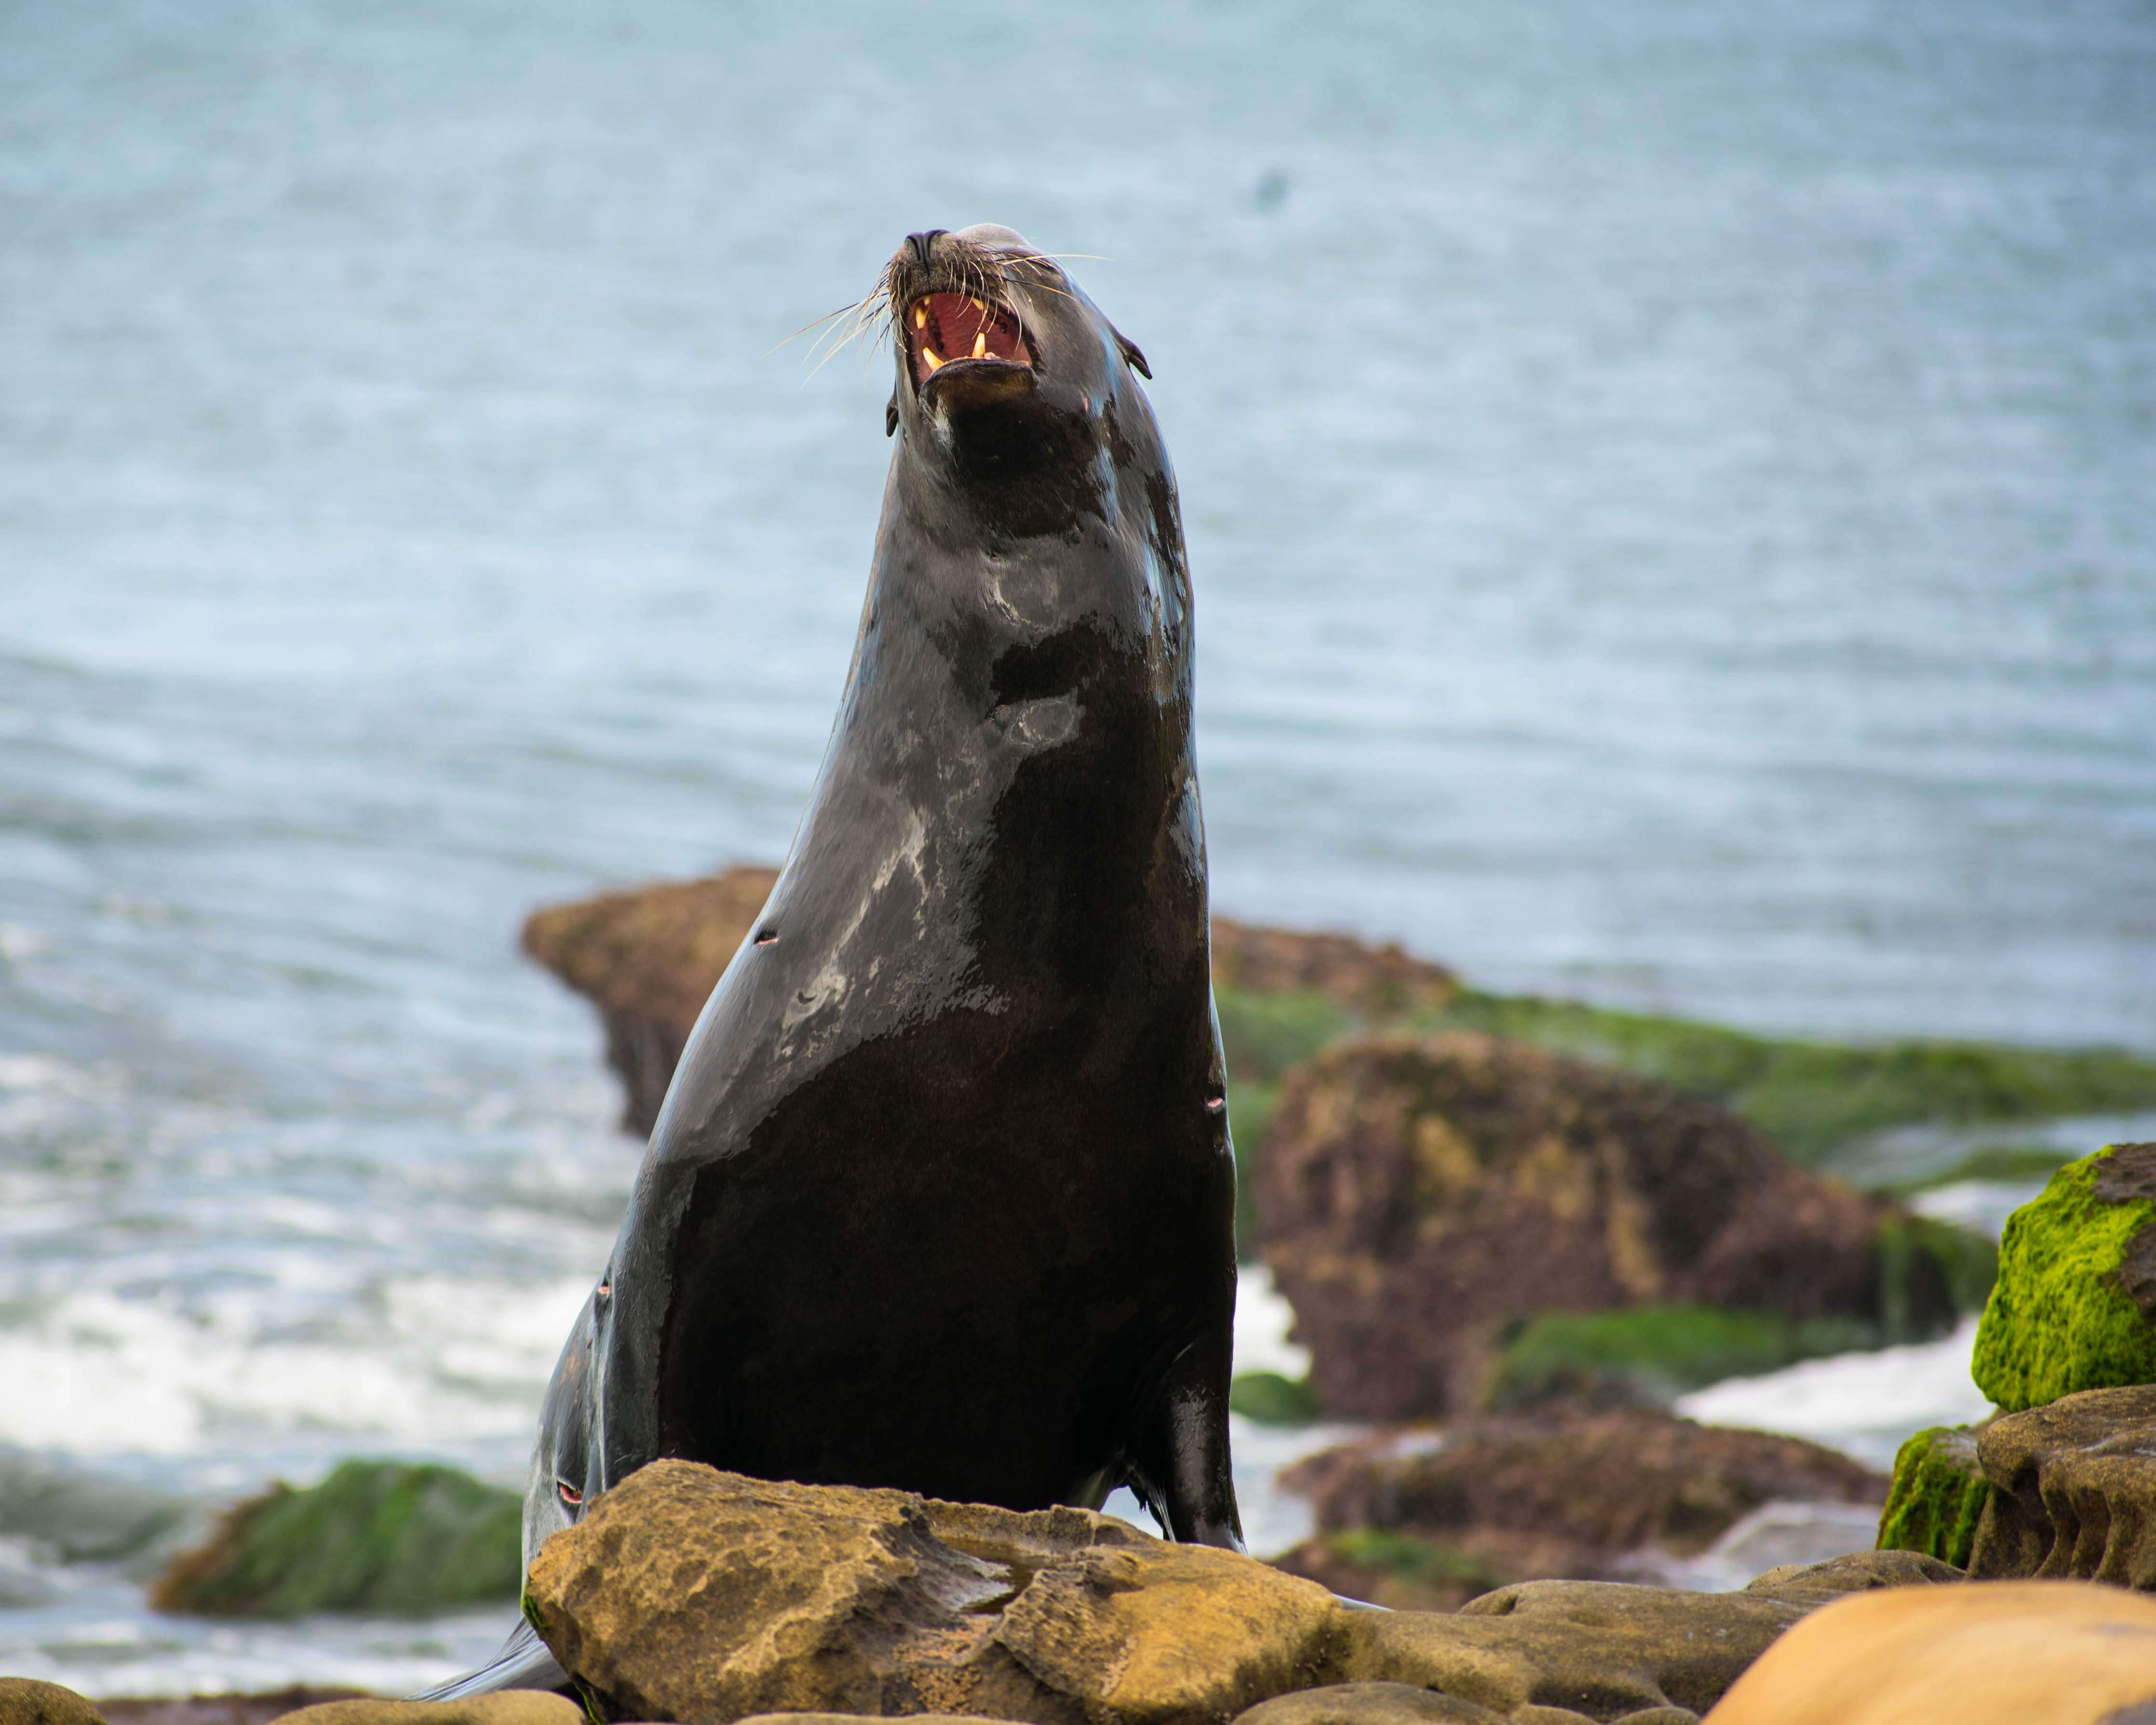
{"points": [[1424, 1520], [1418, 1196], [2075, 1305], [2074, 1491]]}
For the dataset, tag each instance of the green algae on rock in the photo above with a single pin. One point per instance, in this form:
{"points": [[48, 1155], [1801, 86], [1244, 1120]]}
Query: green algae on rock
{"points": [[1647, 1356], [1273, 1398], [1937, 1497], [1813, 1097], [404, 1539], [2074, 1308]]}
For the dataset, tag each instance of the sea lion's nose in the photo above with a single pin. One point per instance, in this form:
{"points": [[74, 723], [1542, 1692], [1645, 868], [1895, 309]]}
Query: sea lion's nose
{"points": [[922, 244]]}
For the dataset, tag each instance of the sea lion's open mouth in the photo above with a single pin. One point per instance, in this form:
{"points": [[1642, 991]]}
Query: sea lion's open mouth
{"points": [[950, 335]]}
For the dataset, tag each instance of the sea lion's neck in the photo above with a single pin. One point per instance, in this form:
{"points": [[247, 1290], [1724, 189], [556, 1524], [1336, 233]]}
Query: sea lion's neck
{"points": [[1022, 470]]}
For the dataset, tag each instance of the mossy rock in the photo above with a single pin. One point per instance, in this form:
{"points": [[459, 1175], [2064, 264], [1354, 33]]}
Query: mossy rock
{"points": [[1938, 1496], [1813, 1098], [2075, 1305], [392, 1537], [1273, 1398], [1648, 1356], [1262, 1036]]}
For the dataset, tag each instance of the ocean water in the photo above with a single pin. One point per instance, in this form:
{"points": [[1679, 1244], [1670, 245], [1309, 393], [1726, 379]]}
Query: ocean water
{"points": [[1672, 491]]}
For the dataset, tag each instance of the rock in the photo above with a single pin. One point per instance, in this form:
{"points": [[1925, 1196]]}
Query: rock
{"points": [[258, 1708], [2075, 1305], [2074, 1491], [687, 1593], [1810, 1584], [1402, 1571], [1938, 1493], [2002, 1653], [690, 1594], [1373, 983], [25, 1700], [1423, 1519], [1370, 1704], [1600, 1649], [648, 958], [375, 1536], [507, 1706], [1417, 1197], [854, 1718]]}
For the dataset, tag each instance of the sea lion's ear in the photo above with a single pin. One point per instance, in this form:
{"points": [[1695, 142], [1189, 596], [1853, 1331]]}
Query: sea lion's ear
{"points": [[1131, 357], [890, 414]]}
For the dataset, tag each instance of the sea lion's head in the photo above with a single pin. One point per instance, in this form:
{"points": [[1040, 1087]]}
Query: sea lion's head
{"points": [[1010, 380]]}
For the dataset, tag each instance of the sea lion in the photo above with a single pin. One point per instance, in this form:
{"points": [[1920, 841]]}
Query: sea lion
{"points": [[940, 1196]]}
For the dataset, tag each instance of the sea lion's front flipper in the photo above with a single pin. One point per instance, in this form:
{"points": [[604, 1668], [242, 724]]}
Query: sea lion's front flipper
{"points": [[1180, 1463], [523, 1663]]}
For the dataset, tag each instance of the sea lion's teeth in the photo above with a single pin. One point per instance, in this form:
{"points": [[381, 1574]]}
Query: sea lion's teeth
{"points": [[932, 357], [977, 306], [920, 316], [980, 343]]}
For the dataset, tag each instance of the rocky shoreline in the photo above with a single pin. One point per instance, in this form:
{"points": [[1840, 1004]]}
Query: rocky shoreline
{"points": [[1513, 1231]]}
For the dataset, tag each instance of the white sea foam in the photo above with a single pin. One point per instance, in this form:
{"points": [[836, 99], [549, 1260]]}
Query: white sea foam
{"points": [[1864, 1404], [97, 1373], [1263, 1321]]}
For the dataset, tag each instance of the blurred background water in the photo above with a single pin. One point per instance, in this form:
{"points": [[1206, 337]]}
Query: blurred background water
{"points": [[1672, 488]]}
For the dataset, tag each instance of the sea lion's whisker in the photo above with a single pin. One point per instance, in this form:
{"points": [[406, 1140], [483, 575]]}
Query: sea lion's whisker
{"points": [[847, 310]]}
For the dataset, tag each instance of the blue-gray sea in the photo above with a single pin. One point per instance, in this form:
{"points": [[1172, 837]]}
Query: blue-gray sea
{"points": [[1672, 488]]}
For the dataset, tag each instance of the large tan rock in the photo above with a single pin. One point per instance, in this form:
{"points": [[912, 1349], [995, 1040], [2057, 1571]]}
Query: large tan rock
{"points": [[509, 1706], [690, 1595], [27, 1701], [2000, 1653], [1418, 1196], [1429, 1519], [2073, 1490]]}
